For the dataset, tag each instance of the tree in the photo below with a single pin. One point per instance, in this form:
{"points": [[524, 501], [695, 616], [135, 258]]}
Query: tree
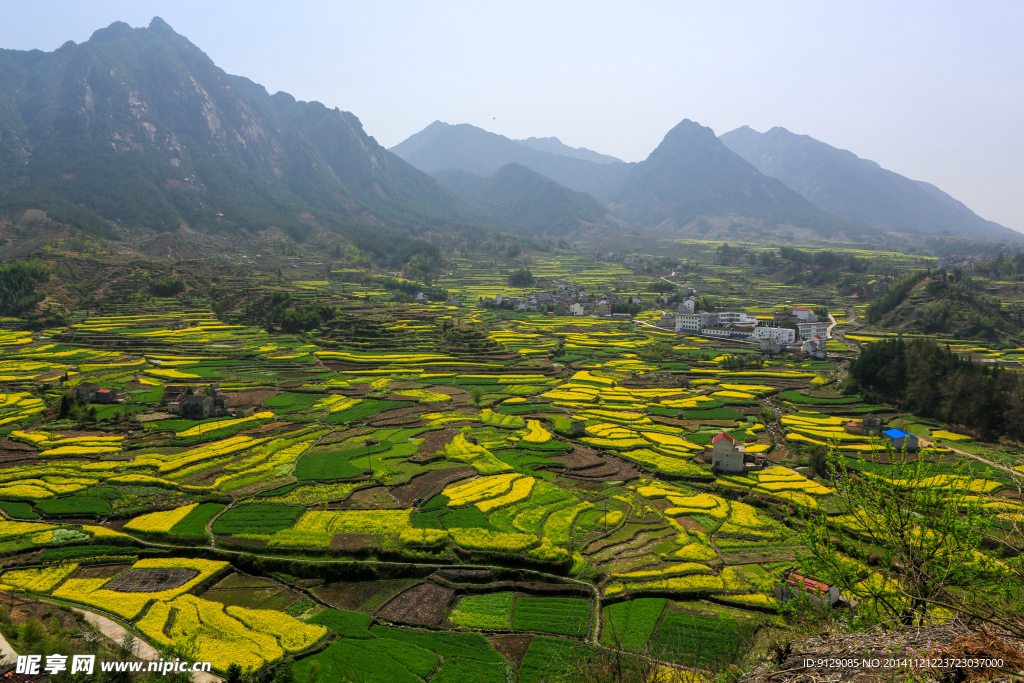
{"points": [[913, 539], [655, 353], [284, 672], [477, 394], [521, 278]]}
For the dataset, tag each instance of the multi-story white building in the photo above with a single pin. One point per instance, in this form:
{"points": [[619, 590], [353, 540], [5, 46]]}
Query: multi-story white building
{"points": [[805, 314], [812, 330], [687, 306], [727, 331], [695, 322], [783, 335], [734, 318]]}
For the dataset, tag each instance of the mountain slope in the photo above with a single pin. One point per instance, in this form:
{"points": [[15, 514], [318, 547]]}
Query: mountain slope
{"points": [[141, 127], [441, 146], [857, 189], [556, 146], [944, 304], [521, 196], [692, 174]]}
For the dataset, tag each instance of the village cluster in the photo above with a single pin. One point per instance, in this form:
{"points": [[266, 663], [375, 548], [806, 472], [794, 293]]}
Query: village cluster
{"points": [[786, 327]]}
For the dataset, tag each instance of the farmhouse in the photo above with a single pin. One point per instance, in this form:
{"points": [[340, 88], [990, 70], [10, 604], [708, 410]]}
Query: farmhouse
{"points": [[899, 440], [86, 391], [795, 585], [196, 407], [727, 454], [869, 425], [107, 396], [175, 393]]}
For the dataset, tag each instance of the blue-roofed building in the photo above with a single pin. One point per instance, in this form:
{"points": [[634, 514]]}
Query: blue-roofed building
{"points": [[900, 439]]}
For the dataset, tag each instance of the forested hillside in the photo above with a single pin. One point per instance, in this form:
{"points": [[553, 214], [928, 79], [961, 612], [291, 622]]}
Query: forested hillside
{"points": [[929, 380]]}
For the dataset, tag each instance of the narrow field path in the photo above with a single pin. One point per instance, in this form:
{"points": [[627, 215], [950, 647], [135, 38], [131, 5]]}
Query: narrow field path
{"points": [[115, 632]]}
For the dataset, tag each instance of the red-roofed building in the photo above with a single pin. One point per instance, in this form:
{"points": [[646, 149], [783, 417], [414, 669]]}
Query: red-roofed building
{"points": [[727, 454], [869, 425], [724, 435], [794, 585], [106, 396]]}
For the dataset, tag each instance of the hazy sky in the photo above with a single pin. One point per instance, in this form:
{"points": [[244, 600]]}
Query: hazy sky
{"points": [[933, 90]]}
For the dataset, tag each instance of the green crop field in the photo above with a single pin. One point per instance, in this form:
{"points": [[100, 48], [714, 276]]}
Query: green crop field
{"points": [[630, 625], [193, 525], [484, 611], [256, 519], [697, 640], [563, 616]]}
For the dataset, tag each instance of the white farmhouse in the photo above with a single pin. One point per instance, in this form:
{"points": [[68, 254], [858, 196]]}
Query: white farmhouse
{"points": [[727, 454]]}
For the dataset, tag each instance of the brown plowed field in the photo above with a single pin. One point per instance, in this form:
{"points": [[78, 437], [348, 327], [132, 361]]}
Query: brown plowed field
{"points": [[423, 604]]}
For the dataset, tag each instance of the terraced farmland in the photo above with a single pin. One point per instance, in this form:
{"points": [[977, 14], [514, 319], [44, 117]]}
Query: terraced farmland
{"points": [[400, 490]]}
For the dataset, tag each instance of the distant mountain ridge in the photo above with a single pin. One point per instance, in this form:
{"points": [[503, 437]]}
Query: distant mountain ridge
{"points": [[443, 147], [519, 195], [556, 146], [140, 126], [690, 175], [857, 189]]}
